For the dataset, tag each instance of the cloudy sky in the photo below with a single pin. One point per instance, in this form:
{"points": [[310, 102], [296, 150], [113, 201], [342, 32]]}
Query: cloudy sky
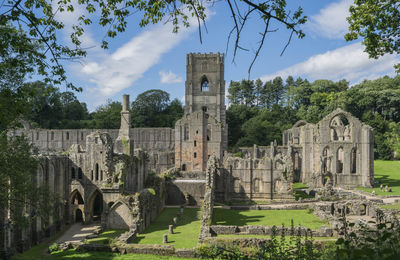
{"points": [[154, 58]]}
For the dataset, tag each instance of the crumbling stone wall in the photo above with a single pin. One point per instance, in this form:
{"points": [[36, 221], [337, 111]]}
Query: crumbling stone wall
{"points": [[339, 147], [208, 204]]}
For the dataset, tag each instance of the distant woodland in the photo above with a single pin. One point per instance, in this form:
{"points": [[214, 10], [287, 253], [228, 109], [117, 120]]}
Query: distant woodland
{"points": [[258, 112]]}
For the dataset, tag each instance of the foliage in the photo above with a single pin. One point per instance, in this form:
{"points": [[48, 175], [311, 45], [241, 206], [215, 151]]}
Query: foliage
{"points": [[18, 169], [378, 240], [377, 23], [152, 108], [53, 248], [285, 245]]}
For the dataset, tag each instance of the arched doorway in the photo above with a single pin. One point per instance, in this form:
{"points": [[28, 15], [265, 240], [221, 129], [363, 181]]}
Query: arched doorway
{"points": [[96, 205], [78, 216]]}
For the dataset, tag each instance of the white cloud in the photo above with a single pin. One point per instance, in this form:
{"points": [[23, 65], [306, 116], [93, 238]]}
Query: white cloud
{"points": [[169, 77], [349, 62], [331, 21]]}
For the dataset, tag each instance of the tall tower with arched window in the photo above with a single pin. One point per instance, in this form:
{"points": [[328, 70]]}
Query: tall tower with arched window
{"points": [[205, 85], [202, 131]]}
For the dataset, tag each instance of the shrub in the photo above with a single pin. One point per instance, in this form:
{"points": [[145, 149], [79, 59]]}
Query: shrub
{"points": [[53, 248]]}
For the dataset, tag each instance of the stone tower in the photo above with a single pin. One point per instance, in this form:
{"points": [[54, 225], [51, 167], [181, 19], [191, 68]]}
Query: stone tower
{"points": [[202, 131], [205, 85], [124, 143]]}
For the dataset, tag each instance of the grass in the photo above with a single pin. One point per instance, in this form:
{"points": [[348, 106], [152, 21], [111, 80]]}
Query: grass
{"points": [[39, 252], [299, 185], [72, 254], [105, 237], [185, 235], [391, 206], [387, 173], [267, 218]]}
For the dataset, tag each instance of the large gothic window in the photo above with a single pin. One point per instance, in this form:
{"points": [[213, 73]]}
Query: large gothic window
{"points": [[204, 85]]}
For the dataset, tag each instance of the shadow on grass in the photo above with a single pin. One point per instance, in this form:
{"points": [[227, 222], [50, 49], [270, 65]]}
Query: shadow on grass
{"points": [[387, 180], [233, 217], [165, 219]]}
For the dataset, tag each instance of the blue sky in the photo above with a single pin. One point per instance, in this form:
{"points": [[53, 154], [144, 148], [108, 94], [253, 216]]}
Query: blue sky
{"points": [[154, 58]]}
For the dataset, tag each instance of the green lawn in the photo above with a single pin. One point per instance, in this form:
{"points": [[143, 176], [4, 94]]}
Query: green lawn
{"points": [[391, 206], [185, 235], [105, 237], [387, 173], [299, 185], [267, 218], [40, 251]]}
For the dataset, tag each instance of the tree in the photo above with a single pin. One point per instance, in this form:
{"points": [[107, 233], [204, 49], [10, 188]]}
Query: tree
{"points": [[377, 23], [107, 116], [38, 24], [152, 108]]}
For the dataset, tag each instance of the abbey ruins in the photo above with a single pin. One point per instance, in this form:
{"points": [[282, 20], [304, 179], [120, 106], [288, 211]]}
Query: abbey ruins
{"points": [[101, 174]]}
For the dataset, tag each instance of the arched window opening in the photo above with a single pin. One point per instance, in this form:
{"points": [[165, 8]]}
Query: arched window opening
{"points": [[354, 160], [204, 85], [78, 215], [97, 172], [101, 175], [183, 167], [97, 208], [195, 143], [204, 109], [326, 161], [77, 199], [72, 173], [339, 161], [186, 132], [91, 175], [80, 174], [256, 185], [195, 155], [67, 136]]}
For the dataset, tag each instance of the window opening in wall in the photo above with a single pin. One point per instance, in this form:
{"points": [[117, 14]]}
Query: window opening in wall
{"points": [[186, 132], [81, 136], [339, 163], [195, 155], [72, 173], [195, 143], [101, 175], [204, 85], [97, 172], [37, 135], [52, 135], [204, 109], [353, 160], [183, 167], [67, 136], [80, 174], [91, 175]]}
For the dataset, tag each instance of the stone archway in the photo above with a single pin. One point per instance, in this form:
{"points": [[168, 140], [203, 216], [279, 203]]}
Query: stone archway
{"points": [[96, 205], [78, 216]]}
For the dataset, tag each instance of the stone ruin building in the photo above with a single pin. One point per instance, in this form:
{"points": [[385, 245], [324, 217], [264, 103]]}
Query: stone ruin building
{"points": [[100, 174]]}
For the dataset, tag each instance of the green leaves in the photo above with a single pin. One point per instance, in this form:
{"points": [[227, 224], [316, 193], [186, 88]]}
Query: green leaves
{"points": [[377, 23]]}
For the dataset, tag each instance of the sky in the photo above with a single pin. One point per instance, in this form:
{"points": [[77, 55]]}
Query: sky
{"points": [[153, 57]]}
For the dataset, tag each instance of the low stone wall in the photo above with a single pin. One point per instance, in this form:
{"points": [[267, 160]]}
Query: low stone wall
{"points": [[323, 231], [165, 250]]}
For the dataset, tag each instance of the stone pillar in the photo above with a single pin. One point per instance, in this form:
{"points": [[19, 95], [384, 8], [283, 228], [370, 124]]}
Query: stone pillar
{"points": [[170, 229], [165, 239]]}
